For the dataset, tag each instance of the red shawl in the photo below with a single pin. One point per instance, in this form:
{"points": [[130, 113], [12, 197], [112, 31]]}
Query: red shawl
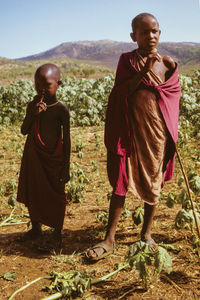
{"points": [[117, 127], [39, 188]]}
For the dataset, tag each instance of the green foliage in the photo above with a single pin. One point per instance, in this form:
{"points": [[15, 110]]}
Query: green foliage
{"points": [[79, 146], [185, 217], [171, 199], [10, 186], [194, 182], [102, 216], [70, 284], [13, 101], [140, 255], [125, 214], [138, 216], [76, 185], [86, 99], [94, 166], [189, 107], [171, 247], [97, 139], [9, 276], [196, 244]]}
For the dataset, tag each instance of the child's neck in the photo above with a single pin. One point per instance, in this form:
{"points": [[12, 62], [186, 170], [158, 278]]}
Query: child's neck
{"points": [[51, 99], [146, 52]]}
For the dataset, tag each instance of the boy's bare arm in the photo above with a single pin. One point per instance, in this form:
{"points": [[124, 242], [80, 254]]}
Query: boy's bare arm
{"points": [[65, 119], [33, 109], [169, 62]]}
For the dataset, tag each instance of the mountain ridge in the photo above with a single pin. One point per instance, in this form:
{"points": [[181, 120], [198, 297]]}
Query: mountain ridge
{"points": [[107, 52]]}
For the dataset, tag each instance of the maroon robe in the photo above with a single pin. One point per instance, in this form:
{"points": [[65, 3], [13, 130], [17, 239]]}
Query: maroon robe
{"points": [[118, 130], [39, 187]]}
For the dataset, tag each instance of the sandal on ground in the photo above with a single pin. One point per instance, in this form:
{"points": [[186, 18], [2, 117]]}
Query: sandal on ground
{"points": [[106, 251]]}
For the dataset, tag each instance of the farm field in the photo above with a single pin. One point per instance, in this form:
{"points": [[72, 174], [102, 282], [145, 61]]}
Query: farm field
{"points": [[82, 229], [88, 194]]}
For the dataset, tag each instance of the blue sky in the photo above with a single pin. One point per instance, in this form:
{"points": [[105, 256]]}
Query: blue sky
{"points": [[32, 26]]}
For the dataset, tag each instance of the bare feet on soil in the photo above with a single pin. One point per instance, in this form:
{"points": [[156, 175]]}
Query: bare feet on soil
{"points": [[30, 236], [149, 240]]}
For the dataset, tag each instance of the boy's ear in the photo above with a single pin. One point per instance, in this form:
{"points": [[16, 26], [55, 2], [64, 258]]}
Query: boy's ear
{"points": [[59, 82], [132, 35]]}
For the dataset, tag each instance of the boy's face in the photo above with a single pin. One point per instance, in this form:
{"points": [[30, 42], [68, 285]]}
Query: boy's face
{"points": [[46, 84], [147, 34]]}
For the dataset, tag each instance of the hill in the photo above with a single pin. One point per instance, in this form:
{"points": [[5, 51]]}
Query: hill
{"points": [[93, 59], [11, 70], [107, 52]]}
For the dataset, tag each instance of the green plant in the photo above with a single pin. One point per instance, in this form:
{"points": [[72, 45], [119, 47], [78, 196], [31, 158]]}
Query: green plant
{"points": [[76, 185], [102, 216], [9, 276], [138, 216], [75, 283], [140, 255], [171, 199], [97, 140]]}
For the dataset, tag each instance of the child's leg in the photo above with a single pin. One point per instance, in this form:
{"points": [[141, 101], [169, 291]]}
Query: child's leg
{"points": [[149, 212], [33, 233], [115, 210], [36, 227]]}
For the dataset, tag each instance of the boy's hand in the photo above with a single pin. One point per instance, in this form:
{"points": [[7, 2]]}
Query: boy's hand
{"points": [[151, 60], [40, 106], [64, 176], [37, 108]]}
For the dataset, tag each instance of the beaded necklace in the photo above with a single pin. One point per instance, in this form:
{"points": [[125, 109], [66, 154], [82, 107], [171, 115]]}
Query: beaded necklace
{"points": [[53, 104]]}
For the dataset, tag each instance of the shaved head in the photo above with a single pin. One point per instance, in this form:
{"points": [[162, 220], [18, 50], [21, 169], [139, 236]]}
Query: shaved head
{"points": [[138, 19], [48, 70]]}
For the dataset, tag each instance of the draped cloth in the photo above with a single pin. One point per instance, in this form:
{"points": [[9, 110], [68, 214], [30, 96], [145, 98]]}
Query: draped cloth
{"points": [[141, 130], [39, 187]]}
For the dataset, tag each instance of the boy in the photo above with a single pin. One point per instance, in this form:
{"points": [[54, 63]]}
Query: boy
{"points": [[141, 129], [46, 158]]}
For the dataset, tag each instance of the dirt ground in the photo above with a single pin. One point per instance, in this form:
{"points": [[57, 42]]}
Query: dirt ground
{"points": [[82, 230]]}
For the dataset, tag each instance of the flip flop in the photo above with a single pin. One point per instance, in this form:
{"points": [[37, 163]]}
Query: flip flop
{"points": [[103, 255]]}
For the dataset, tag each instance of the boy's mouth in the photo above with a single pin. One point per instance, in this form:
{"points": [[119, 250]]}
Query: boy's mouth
{"points": [[151, 42]]}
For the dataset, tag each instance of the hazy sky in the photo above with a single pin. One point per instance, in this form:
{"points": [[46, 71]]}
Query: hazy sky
{"points": [[32, 26]]}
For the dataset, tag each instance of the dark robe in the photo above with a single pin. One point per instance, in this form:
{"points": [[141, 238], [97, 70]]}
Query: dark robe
{"points": [[39, 187], [118, 129]]}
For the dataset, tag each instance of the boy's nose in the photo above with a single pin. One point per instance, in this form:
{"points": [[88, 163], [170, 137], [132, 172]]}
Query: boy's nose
{"points": [[151, 35]]}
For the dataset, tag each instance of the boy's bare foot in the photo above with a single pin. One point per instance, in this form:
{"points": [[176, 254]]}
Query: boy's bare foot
{"points": [[100, 251], [30, 235], [150, 241], [51, 243]]}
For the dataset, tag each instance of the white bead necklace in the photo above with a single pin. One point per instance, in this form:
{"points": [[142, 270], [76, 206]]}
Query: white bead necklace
{"points": [[53, 104]]}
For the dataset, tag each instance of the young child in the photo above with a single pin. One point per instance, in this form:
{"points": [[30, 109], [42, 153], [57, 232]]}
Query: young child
{"points": [[46, 158], [141, 129]]}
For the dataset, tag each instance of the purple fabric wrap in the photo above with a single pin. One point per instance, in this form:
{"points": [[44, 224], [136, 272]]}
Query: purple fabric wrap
{"points": [[117, 128]]}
